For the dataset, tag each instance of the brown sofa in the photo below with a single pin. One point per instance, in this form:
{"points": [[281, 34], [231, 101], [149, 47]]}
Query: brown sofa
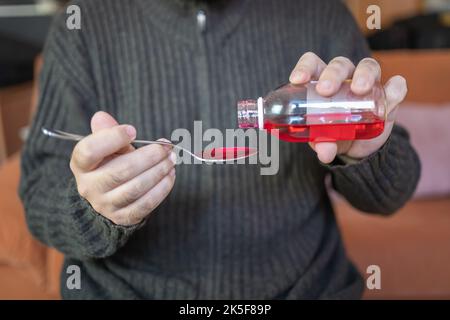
{"points": [[28, 269], [410, 247]]}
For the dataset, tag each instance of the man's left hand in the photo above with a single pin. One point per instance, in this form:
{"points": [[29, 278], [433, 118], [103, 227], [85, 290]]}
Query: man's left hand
{"points": [[364, 76]]}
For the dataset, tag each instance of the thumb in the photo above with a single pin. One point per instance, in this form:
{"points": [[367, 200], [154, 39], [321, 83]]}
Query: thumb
{"points": [[102, 120], [326, 151], [396, 89]]}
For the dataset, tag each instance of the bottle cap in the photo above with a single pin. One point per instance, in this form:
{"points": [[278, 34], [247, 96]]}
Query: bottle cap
{"points": [[247, 114]]}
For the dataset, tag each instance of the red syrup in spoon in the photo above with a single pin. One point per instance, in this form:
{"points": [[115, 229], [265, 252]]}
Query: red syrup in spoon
{"points": [[228, 153]]}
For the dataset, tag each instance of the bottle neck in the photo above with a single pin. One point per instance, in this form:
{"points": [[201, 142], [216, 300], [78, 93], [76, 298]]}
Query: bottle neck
{"points": [[251, 114]]}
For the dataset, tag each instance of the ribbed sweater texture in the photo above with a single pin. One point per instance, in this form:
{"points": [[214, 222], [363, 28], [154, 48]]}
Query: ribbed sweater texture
{"points": [[225, 231]]}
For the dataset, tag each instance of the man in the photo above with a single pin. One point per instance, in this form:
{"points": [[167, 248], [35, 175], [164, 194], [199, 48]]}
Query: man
{"points": [[224, 231]]}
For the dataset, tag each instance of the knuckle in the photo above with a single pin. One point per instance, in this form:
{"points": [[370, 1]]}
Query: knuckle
{"points": [[340, 64], [309, 55], [83, 154], [120, 176], [83, 190], [134, 193], [125, 218], [168, 165], [118, 133], [114, 180], [154, 153], [105, 183], [164, 169], [333, 69], [138, 189], [99, 207], [72, 165], [132, 215]]}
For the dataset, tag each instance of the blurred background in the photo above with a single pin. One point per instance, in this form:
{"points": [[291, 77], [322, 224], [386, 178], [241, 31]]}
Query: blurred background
{"points": [[411, 247]]}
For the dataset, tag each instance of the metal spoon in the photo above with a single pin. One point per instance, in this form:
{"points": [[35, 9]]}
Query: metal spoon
{"points": [[212, 155]]}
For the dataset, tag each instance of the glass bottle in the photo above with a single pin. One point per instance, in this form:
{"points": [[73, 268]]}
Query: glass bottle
{"points": [[302, 115]]}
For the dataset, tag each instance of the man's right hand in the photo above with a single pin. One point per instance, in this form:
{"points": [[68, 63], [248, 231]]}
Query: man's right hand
{"points": [[121, 183]]}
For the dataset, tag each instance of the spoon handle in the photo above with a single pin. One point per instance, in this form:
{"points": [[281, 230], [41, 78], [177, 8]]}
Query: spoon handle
{"points": [[76, 137]]}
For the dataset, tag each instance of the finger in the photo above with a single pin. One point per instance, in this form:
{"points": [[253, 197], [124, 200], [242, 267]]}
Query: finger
{"points": [[90, 151], [134, 189], [138, 210], [125, 167], [338, 70], [326, 151], [308, 67], [168, 147], [102, 120], [395, 89], [366, 74]]}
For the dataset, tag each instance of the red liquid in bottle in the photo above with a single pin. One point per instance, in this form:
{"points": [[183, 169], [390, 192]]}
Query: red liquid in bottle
{"points": [[342, 126]]}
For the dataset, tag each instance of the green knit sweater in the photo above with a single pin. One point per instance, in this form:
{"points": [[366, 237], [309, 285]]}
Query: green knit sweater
{"points": [[225, 231]]}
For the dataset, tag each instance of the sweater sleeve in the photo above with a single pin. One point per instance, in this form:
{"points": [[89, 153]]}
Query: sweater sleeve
{"points": [[56, 214], [384, 181]]}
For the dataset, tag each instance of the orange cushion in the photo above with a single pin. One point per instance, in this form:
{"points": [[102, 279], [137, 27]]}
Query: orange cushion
{"points": [[17, 246], [18, 283], [410, 247], [427, 72]]}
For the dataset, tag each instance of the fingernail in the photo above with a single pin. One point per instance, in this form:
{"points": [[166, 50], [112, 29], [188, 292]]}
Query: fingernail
{"points": [[298, 76], [361, 83], [131, 131], [172, 172], [166, 146], [325, 84], [173, 157]]}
